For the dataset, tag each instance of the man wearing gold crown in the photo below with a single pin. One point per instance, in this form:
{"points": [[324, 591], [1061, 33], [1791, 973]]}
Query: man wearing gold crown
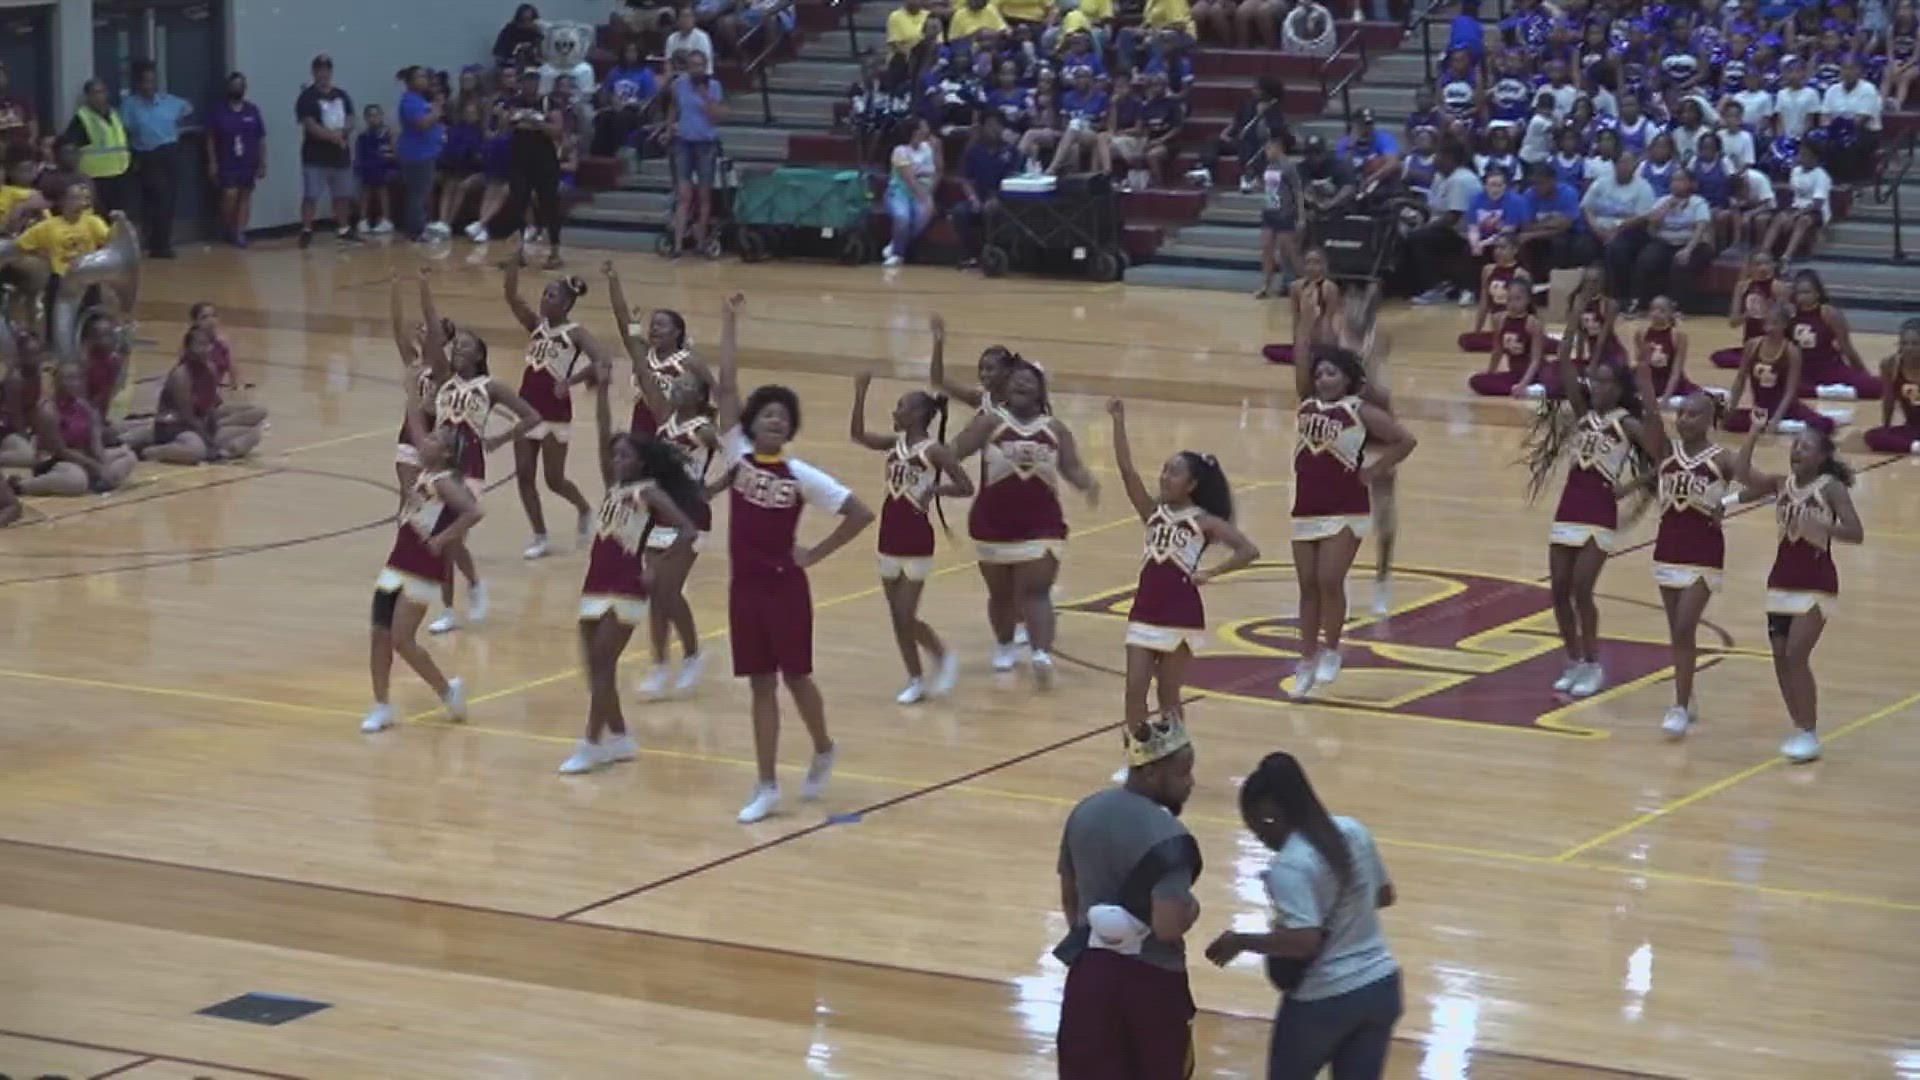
{"points": [[1127, 868]]}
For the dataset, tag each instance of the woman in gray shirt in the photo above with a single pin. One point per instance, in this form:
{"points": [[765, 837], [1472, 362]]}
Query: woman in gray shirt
{"points": [[1327, 885], [1679, 245]]}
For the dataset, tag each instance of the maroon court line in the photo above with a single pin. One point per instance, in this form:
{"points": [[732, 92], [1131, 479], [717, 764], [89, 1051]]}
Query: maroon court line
{"points": [[150, 1057], [127, 1068]]}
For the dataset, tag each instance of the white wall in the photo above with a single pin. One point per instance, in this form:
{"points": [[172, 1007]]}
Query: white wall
{"points": [[274, 41]]}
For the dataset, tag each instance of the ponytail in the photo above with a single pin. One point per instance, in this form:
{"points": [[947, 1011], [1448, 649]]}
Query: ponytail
{"points": [[937, 421], [1210, 489], [1279, 783]]}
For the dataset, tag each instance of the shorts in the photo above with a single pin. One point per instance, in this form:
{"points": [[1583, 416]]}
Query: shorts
{"points": [[913, 569], [559, 431], [1129, 147], [393, 582], [695, 161], [1121, 1016], [1682, 576], [660, 538], [375, 177], [1576, 534], [327, 181], [1013, 552], [1281, 221], [771, 626], [626, 610], [1164, 639], [236, 179], [1309, 529]]}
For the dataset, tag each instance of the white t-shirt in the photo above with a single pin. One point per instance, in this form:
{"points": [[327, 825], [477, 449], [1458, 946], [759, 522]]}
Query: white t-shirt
{"points": [[694, 40], [1738, 145], [1759, 188], [1863, 101], [1563, 98], [916, 161], [1795, 107], [1536, 144], [1681, 219], [1684, 140], [1608, 202], [1755, 106], [1812, 187]]}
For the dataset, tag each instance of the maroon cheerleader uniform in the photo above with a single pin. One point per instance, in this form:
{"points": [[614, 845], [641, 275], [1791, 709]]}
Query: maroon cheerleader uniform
{"points": [[1821, 362], [906, 534], [1602, 455], [102, 376], [464, 405], [1754, 304], [1499, 278], [1660, 357], [1017, 517], [1313, 305], [665, 369], [1167, 612], [1328, 494], [1593, 323], [1900, 438], [1772, 395], [406, 453], [1690, 545], [74, 419], [684, 435], [1803, 576], [413, 570], [769, 606], [616, 581], [552, 355], [203, 397], [1515, 337]]}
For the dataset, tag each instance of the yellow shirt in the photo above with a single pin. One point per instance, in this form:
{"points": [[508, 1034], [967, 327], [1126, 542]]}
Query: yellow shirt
{"points": [[1164, 14], [1084, 18], [905, 29], [10, 199], [62, 241], [1025, 10], [967, 22]]}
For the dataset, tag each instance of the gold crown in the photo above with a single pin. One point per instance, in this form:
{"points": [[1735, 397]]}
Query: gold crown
{"points": [[1165, 736]]}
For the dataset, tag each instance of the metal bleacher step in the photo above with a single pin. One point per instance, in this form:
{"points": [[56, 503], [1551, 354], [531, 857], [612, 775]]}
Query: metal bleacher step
{"points": [[1177, 276], [810, 76], [586, 236]]}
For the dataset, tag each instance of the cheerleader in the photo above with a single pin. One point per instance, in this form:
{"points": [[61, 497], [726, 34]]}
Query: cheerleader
{"points": [[1772, 367], [104, 348], [1826, 343], [1316, 306], [1689, 551], [554, 354], [78, 453], [438, 513], [769, 606], [1518, 344], [20, 391], [917, 460], [1757, 293], [1901, 375], [1331, 499], [648, 486], [1607, 444], [1814, 509], [664, 356], [422, 374], [461, 405], [1660, 347], [1496, 280], [1016, 521], [206, 316], [1360, 333], [996, 363], [191, 424], [1192, 510], [1592, 316]]}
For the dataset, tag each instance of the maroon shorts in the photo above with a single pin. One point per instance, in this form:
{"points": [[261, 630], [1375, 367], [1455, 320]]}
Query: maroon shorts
{"points": [[771, 624], [1121, 1018]]}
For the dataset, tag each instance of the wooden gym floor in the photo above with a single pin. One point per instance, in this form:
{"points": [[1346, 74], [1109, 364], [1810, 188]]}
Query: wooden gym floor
{"points": [[189, 813]]}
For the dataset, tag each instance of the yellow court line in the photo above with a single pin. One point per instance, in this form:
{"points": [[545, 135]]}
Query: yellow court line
{"points": [[163, 691], [1723, 784], [356, 437]]}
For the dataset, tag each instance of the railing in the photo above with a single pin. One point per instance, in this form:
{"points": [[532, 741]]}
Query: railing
{"points": [[1355, 46], [851, 8], [756, 68], [1896, 163]]}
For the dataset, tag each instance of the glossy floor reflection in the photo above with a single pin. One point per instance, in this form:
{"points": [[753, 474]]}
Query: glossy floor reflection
{"points": [[187, 811]]}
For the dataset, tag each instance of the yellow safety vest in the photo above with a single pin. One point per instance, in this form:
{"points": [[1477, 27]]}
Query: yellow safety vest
{"points": [[106, 152]]}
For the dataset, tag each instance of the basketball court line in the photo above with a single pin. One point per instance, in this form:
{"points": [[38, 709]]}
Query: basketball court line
{"points": [[121, 1070], [147, 1057]]}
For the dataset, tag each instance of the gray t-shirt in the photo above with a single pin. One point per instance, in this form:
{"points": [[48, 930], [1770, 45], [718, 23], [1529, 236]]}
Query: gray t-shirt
{"points": [[1109, 836], [1608, 202], [1454, 192], [1681, 219], [1306, 895]]}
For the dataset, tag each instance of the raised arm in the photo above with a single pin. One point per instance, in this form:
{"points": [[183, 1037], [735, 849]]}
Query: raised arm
{"points": [[1302, 351], [1222, 531], [857, 427], [1653, 428], [1570, 383], [623, 317], [726, 381], [403, 340], [433, 349], [937, 369], [603, 426], [1677, 376], [1073, 468], [527, 317], [1137, 494], [1758, 485]]}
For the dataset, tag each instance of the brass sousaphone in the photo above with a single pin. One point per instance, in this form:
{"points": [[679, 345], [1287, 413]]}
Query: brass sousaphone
{"points": [[105, 280]]}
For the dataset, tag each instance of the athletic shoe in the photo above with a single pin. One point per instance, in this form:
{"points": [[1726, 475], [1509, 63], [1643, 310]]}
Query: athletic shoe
{"points": [[1565, 682], [1467, 299], [456, 699], [1383, 596], [766, 800], [1801, 746], [1327, 669], [1005, 657], [1120, 777], [445, 624], [914, 694], [477, 602], [946, 676], [1020, 635], [1303, 675], [690, 669], [379, 718], [536, 550], [1677, 723], [654, 686], [620, 748], [1588, 683], [819, 774], [889, 258], [477, 232], [439, 230], [382, 228], [1439, 294], [586, 758], [1043, 670]]}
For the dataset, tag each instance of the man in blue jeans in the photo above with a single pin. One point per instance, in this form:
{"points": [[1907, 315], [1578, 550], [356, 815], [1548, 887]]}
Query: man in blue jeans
{"points": [[422, 136], [693, 106]]}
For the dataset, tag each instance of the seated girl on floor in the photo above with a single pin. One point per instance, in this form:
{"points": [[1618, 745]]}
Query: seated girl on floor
{"points": [[1495, 279], [1662, 347], [77, 451], [1773, 367], [1901, 373], [1518, 345], [1760, 290]]}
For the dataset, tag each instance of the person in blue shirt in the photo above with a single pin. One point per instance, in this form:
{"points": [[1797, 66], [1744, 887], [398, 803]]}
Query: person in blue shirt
{"points": [[623, 101], [462, 157], [987, 160], [1497, 211], [1368, 149], [375, 168], [152, 118], [1554, 236], [1085, 107], [416, 147], [1466, 34], [695, 105]]}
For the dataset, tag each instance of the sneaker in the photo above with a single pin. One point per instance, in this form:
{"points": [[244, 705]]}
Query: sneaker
{"points": [[620, 748], [1303, 675], [1005, 656], [379, 718], [1588, 683], [447, 623], [439, 230], [1246, 185], [1120, 775], [536, 550], [947, 675], [477, 602], [477, 232], [654, 686], [347, 235], [1436, 295], [1020, 638], [1565, 682], [1801, 746], [1043, 670], [586, 758], [819, 774], [306, 239], [456, 699], [1328, 668], [766, 800], [1383, 597], [890, 257], [690, 670], [1467, 299], [1677, 722], [914, 694], [382, 228]]}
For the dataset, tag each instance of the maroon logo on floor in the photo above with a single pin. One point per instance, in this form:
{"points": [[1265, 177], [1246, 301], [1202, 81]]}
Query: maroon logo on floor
{"points": [[1458, 647]]}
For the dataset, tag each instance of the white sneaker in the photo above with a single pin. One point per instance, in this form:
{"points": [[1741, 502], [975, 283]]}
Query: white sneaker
{"points": [[1588, 683], [1565, 682], [819, 774], [888, 258], [384, 228], [1677, 723], [477, 602], [1120, 776], [1020, 637], [1005, 657], [1303, 674], [1246, 185], [586, 758], [1043, 670], [445, 624], [440, 229], [477, 232], [766, 800], [691, 668], [379, 718], [914, 694], [1383, 597], [1327, 669], [947, 675], [1467, 299], [456, 699], [1436, 295], [654, 686], [537, 549], [1801, 746], [620, 748]]}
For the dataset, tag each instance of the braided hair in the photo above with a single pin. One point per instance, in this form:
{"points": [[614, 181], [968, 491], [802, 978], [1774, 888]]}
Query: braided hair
{"points": [[933, 411], [1556, 424]]}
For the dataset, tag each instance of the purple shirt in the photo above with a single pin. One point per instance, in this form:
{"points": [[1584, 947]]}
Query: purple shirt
{"points": [[237, 135]]}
